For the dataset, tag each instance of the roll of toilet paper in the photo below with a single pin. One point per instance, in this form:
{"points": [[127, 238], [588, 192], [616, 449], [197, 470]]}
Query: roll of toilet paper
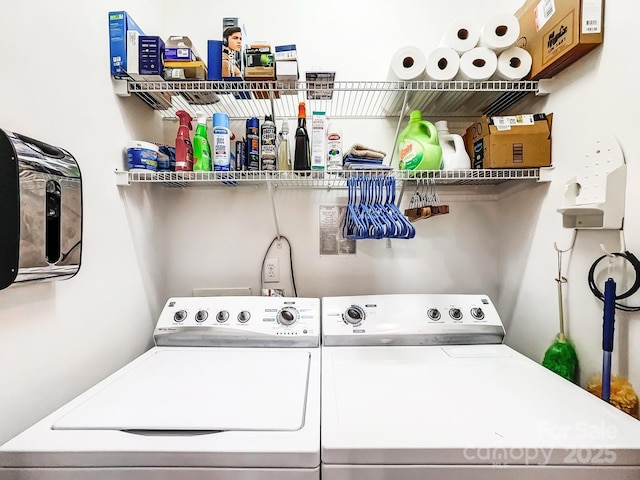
{"points": [[477, 64], [513, 64], [407, 64], [500, 32], [462, 34], [443, 64]]}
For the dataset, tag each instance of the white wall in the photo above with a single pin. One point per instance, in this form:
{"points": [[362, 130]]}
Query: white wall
{"points": [[144, 243]]}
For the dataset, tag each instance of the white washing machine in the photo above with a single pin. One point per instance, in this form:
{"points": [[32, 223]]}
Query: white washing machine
{"points": [[231, 391], [421, 387]]}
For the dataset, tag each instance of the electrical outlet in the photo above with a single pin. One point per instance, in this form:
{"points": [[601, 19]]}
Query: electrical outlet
{"points": [[271, 270]]}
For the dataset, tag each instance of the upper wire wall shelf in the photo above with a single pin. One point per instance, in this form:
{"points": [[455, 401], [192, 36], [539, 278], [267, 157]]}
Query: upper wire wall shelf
{"points": [[322, 179], [339, 99]]}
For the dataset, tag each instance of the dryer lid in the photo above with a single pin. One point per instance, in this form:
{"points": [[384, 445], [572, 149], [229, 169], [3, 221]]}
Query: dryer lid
{"points": [[201, 389]]}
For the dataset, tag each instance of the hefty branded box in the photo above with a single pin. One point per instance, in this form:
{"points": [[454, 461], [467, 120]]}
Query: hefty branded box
{"points": [[517, 141], [558, 32], [119, 24]]}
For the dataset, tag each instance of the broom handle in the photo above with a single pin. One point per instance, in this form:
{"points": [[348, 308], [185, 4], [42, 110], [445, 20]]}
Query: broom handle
{"points": [[560, 281]]}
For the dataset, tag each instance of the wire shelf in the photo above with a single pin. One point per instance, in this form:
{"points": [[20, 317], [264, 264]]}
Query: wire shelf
{"points": [[324, 180], [339, 99]]}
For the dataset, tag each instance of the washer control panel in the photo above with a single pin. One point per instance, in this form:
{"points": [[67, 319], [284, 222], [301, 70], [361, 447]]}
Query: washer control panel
{"points": [[411, 319], [239, 320]]}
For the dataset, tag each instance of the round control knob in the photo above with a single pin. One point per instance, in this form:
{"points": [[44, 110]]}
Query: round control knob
{"points": [[287, 316], [201, 316], [455, 313], [433, 314], [244, 316], [222, 316], [354, 315], [179, 316], [477, 313]]}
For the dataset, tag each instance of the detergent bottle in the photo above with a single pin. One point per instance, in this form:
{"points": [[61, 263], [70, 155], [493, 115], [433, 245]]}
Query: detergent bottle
{"points": [[454, 154], [418, 145], [184, 147], [201, 147]]}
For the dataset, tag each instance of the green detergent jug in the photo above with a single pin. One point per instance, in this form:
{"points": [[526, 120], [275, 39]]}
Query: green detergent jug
{"points": [[418, 145]]}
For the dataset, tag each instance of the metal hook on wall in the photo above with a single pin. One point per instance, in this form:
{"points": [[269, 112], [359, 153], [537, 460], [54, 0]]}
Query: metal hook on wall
{"points": [[573, 241]]}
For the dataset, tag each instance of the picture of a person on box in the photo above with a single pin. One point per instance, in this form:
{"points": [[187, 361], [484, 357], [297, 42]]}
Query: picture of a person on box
{"points": [[231, 52]]}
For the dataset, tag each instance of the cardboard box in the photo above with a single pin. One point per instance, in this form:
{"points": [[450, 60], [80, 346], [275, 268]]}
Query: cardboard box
{"points": [[557, 33], [179, 48], [519, 141], [151, 55], [286, 52], [120, 22], [233, 60], [179, 70], [260, 73]]}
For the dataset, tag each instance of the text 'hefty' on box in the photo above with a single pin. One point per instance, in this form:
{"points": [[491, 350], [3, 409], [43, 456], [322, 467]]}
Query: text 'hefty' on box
{"points": [[518, 141]]}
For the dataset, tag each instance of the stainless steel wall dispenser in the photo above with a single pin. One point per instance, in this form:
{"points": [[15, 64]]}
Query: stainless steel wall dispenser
{"points": [[40, 211]]}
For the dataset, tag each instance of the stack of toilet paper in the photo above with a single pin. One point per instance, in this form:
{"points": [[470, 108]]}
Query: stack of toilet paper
{"points": [[468, 51]]}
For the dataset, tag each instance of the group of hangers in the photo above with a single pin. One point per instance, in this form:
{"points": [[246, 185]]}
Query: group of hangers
{"points": [[371, 210], [425, 202]]}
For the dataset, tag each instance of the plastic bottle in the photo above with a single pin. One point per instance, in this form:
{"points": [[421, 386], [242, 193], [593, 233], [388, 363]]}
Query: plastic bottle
{"points": [[268, 149], [201, 147], [253, 144], [184, 147], [221, 142], [302, 152], [334, 147], [454, 153], [284, 157], [418, 145]]}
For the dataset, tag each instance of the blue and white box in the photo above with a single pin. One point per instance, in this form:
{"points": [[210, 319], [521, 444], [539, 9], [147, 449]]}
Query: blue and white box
{"points": [[151, 55], [120, 23]]}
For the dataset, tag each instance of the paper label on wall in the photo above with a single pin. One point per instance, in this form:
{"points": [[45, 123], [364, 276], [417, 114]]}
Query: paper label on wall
{"points": [[505, 123], [543, 12], [331, 240], [591, 16]]}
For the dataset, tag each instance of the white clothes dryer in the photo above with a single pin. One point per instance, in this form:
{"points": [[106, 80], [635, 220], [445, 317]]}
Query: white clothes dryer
{"points": [[231, 390], [420, 387]]}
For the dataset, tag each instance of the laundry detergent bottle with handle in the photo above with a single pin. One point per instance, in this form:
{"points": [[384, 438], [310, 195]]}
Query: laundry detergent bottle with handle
{"points": [[454, 154], [418, 145], [184, 147]]}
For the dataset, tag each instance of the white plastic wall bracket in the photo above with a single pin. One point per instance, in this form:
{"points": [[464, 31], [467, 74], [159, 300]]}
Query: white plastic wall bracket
{"points": [[594, 198]]}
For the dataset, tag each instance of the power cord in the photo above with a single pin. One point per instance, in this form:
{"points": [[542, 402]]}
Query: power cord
{"points": [[635, 263], [264, 259]]}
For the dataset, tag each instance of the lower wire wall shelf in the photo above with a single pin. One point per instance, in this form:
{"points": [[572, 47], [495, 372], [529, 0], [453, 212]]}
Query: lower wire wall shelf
{"points": [[324, 180]]}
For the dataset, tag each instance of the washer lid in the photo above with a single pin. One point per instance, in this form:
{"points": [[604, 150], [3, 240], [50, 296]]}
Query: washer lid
{"points": [[217, 389]]}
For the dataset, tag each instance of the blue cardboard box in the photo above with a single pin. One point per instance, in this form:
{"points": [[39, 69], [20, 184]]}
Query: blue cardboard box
{"points": [[119, 23], [151, 55]]}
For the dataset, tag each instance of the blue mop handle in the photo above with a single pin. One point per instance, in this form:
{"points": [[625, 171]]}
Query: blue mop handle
{"points": [[608, 326]]}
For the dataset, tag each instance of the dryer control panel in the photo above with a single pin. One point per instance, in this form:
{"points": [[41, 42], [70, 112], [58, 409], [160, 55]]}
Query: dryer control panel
{"points": [[410, 319], [239, 321]]}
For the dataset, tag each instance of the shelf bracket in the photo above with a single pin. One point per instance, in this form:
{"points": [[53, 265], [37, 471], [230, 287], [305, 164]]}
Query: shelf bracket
{"points": [[121, 87], [122, 178], [273, 208]]}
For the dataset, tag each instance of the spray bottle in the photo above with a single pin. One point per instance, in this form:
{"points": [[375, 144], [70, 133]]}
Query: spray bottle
{"points": [[253, 144], [184, 147], [201, 147], [221, 142]]}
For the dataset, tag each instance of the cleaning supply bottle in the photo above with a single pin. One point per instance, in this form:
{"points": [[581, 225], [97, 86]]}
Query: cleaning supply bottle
{"points": [[418, 145], [334, 147], [302, 151], [253, 144], [184, 147], [221, 142], [201, 147], [268, 149], [284, 157], [454, 154]]}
